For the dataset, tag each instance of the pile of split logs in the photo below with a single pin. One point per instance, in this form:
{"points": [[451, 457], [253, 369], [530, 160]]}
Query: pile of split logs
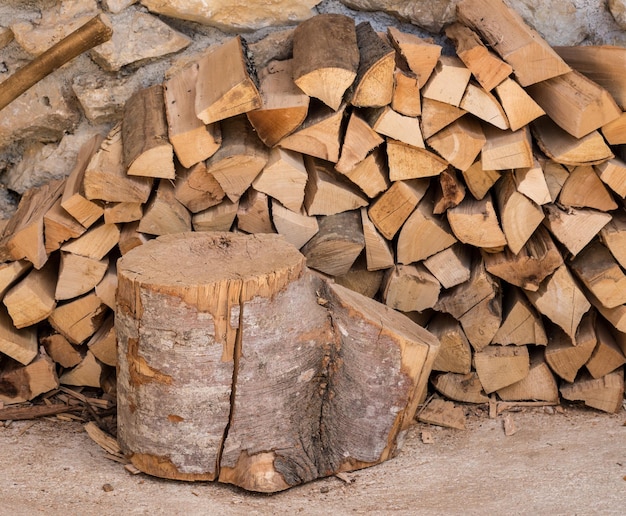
{"points": [[479, 193]]}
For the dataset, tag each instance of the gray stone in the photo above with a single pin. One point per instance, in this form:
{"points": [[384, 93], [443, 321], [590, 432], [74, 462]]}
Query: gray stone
{"points": [[618, 11], [137, 37], [560, 22], [40, 114], [42, 162], [55, 24], [102, 97], [431, 15], [117, 6], [277, 45], [235, 15], [6, 36], [8, 204]]}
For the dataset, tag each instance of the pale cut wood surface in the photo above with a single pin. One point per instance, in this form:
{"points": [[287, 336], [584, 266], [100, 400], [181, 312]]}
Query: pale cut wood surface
{"points": [[607, 356], [253, 213], [326, 193], [574, 228], [73, 200], [584, 189], [337, 244], [564, 148], [372, 174], [359, 140], [192, 140], [32, 299], [455, 354], [224, 87], [105, 176], [23, 236], [436, 115], [78, 275], [521, 324], [390, 211], [406, 98], [602, 64], [484, 105], [197, 189], [58, 227], [450, 266], [501, 366], [19, 344], [297, 227], [518, 105], [423, 234], [379, 254], [476, 223], [420, 55], [602, 393], [532, 183], [319, 134], [410, 288], [460, 142], [560, 299], [486, 67], [519, 216], [531, 58], [284, 178], [388, 122], [448, 81], [239, 159], [577, 104], [79, 319], [163, 213], [479, 180], [284, 106], [506, 149], [409, 162], [465, 388], [538, 385]]}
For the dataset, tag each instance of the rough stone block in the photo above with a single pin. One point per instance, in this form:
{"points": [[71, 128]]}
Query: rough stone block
{"points": [[137, 36], [54, 25], [40, 114]]}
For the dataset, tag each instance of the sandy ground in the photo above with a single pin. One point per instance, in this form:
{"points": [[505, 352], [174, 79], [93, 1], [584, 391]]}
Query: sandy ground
{"points": [[569, 463]]}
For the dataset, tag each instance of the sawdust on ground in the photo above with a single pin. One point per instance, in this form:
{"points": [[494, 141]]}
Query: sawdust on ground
{"points": [[560, 463]]}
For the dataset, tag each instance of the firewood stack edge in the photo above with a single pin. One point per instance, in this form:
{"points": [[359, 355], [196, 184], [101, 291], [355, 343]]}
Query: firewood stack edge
{"points": [[481, 194]]}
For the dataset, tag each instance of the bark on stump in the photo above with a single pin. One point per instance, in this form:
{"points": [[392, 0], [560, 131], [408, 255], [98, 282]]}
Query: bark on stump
{"points": [[239, 364]]}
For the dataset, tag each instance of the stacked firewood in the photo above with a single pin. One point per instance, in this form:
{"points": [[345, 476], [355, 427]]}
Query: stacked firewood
{"points": [[478, 193]]}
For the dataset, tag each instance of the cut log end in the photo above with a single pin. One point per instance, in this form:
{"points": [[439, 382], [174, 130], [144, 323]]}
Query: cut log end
{"points": [[327, 85]]}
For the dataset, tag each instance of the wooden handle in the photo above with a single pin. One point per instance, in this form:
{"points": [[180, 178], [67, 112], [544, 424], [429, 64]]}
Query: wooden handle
{"points": [[95, 32]]}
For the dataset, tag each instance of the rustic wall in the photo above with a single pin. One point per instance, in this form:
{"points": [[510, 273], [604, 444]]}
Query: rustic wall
{"points": [[41, 132]]}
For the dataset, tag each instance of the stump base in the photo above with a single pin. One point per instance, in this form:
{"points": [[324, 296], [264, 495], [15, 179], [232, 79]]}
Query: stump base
{"points": [[239, 364]]}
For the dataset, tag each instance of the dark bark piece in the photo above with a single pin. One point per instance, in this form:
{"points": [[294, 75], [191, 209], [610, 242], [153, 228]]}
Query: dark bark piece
{"points": [[147, 150], [325, 57]]}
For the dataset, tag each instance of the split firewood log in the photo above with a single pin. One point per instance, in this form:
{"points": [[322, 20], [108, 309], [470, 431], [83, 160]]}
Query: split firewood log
{"points": [[531, 58], [284, 106], [224, 86], [193, 141], [325, 57], [258, 282], [147, 150]]}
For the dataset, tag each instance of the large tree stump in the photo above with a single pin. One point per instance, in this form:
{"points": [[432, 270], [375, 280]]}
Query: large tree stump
{"points": [[239, 364]]}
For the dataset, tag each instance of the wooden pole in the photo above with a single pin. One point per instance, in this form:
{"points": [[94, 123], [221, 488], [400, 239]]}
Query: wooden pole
{"points": [[96, 31]]}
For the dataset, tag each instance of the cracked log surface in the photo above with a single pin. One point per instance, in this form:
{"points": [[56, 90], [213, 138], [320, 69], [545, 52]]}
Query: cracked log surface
{"points": [[239, 364]]}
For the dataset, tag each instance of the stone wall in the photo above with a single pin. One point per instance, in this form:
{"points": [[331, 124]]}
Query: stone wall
{"points": [[41, 132]]}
